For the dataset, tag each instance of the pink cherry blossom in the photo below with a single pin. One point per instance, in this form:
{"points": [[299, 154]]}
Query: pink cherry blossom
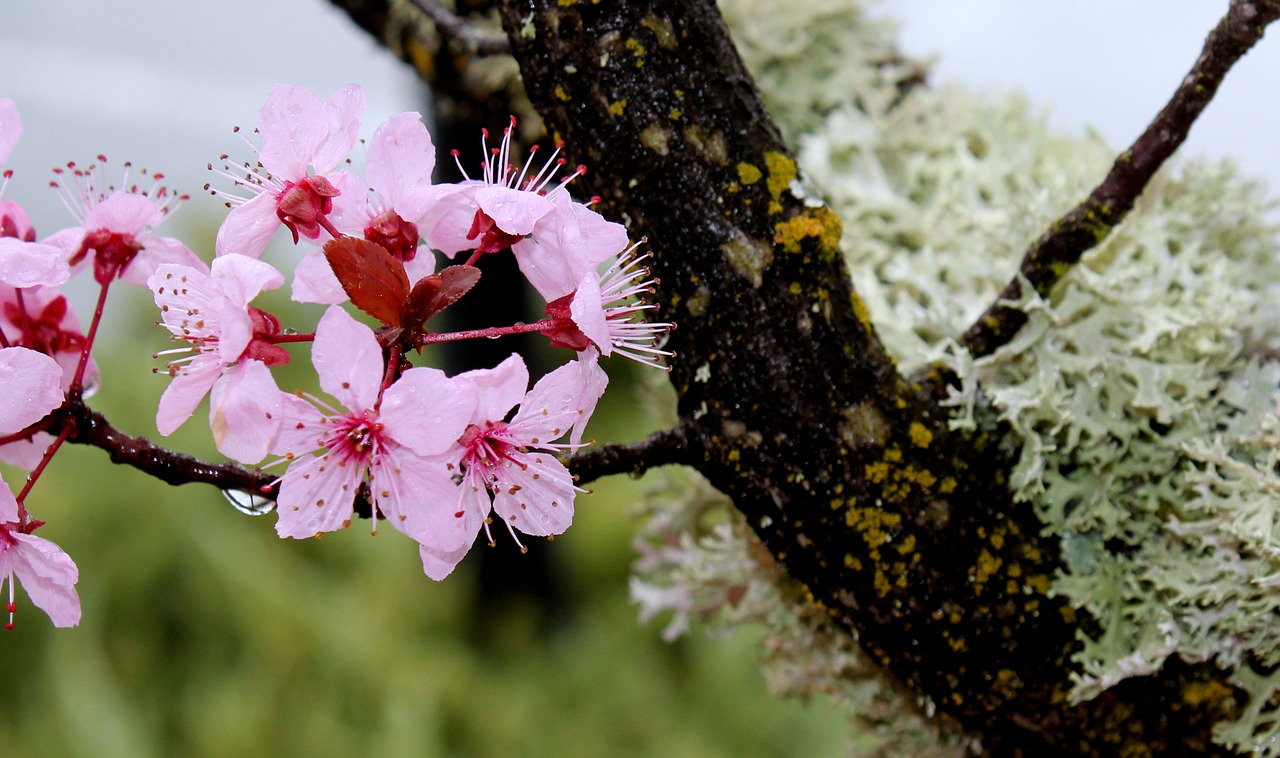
{"points": [[497, 210], [47, 573], [388, 211], [117, 226], [566, 244], [608, 311], [30, 387], [387, 436], [509, 467], [230, 352], [293, 182]]}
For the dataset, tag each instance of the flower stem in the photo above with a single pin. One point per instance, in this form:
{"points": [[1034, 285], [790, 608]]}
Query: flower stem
{"points": [[23, 516], [77, 381], [491, 333]]}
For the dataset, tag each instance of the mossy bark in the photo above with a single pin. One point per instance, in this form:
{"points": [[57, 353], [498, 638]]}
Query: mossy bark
{"points": [[902, 530]]}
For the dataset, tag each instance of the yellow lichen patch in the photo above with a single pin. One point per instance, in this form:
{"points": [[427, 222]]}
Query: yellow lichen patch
{"points": [[987, 565], [893, 455], [1039, 583], [877, 472], [958, 644], [851, 562], [872, 523], [1198, 693], [710, 143], [821, 224], [782, 170], [637, 48], [863, 314], [907, 544], [676, 113], [617, 107], [566, 3], [920, 436], [948, 485], [422, 60], [749, 174], [561, 94]]}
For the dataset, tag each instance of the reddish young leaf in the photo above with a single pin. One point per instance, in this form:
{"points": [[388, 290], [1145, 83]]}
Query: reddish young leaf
{"points": [[373, 278], [434, 293]]}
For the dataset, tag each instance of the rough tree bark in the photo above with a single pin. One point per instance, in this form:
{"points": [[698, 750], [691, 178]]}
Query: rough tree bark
{"points": [[903, 530]]}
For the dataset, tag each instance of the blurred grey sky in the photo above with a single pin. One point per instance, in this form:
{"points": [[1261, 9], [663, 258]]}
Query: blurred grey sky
{"points": [[161, 82]]}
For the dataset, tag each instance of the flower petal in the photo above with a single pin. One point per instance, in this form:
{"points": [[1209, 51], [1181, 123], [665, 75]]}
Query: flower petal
{"points": [[248, 227], [315, 282], [316, 496], [32, 385], [244, 411], [401, 158], [47, 574], [500, 388], [534, 494], [427, 411], [28, 264], [10, 127], [347, 359], [186, 391]]}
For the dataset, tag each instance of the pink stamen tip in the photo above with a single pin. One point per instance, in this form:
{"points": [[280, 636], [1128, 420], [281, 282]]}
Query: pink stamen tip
{"points": [[513, 121], [582, 170], [484, 132], [454, 152]]}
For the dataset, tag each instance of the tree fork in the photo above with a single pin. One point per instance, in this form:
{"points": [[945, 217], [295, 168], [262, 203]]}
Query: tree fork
{"points": [[903, 530]]}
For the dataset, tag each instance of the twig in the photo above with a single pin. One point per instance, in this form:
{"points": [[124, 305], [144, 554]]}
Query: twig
{"points": [[659, 449], [472, 40], [1086, 225]]}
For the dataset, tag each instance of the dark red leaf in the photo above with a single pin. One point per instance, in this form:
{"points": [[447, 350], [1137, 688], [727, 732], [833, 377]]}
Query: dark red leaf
{"points": [[373, 278], [436, 292]]}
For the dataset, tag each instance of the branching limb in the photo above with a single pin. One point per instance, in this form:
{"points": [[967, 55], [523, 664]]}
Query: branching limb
{"points": [[1086, 225], [454, 28], [92, 428], [659, 449]]}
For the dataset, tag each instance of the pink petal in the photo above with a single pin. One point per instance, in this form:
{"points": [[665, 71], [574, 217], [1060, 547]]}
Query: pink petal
{"points": [[155, 252], [314, 282], [28, 264], [594, 382], [344, 109], [69, 241], [552, 407], [32, 385], [242, 278], [302, 427], [244, 411], [351, 213], [500, 388], [536, 499], [452, 209], [567, 243], [25, 454], [423, 264], [124, 212], [348, 359], [417, 497], [438, 563], [186, 391], [248, 228], [401, 158], [587, 310], [10, 127], [316, 496], [47, 574], [514, 211], [8, 505], [293, 123], [427, 411]]}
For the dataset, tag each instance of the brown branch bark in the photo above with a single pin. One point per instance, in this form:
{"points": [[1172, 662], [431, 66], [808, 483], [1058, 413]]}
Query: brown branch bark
{"points": [[1084, 227]]}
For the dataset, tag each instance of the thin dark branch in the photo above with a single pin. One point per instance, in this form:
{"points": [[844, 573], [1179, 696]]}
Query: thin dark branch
{"points": [[1090, 222], [472, 40], [92, 428], [659, 449]]}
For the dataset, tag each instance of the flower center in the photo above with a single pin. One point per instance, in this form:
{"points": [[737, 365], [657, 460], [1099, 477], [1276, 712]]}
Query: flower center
{"points": [[303, 206], [399, 237], [113, 252]]}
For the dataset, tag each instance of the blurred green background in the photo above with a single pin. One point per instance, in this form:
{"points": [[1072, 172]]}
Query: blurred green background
{"points": [[205, 635]]}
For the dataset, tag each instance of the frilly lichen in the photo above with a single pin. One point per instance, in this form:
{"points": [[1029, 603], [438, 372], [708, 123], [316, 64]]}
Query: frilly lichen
{"points": [[1141, 396]]}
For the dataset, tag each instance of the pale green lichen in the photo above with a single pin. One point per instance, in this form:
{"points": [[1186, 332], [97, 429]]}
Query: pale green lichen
{"points": [[1141, 396]]}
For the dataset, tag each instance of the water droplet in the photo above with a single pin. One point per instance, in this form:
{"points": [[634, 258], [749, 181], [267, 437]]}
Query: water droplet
{"points": [[249, 503]]}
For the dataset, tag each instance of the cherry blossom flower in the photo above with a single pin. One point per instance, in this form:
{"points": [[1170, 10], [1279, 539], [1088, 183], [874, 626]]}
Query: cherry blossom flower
{"points": [[388, 436], [293, 183], [23, 262], [231, 351], [47, 573], [32, 388], [567, 244], [604, 311], [117, 226], [399, 165], [509, 467], [497, 210]]}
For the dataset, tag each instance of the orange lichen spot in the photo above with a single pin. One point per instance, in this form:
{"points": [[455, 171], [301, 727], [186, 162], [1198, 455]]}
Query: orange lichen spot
{"points": [[782, 171], [1198, 693], [877, 472], [987, 565], [821, 224]]}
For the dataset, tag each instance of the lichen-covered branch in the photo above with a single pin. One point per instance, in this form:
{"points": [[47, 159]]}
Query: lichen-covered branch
{"points": [[1052, 255], [469, 39]]}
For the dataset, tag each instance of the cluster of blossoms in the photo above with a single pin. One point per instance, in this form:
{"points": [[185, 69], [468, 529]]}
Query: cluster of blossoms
{"points": [[432, 454]]}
